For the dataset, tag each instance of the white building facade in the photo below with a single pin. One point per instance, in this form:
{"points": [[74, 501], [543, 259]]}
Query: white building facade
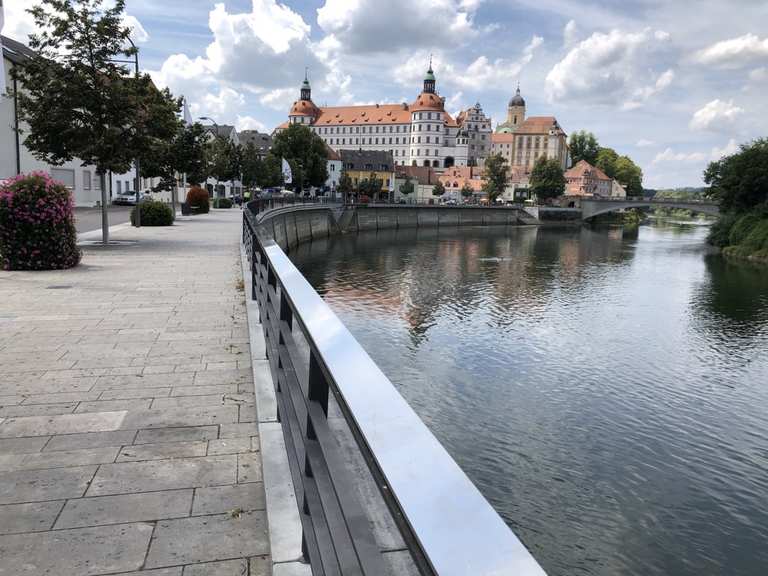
{"points": [[421, 133]]}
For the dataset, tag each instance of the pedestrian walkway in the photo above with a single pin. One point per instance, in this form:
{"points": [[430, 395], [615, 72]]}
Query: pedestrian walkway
{"points": [[128, 435]]}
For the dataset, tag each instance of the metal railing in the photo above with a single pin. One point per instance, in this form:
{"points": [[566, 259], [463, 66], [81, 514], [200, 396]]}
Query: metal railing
{"points": [[268, 203], [651, 199], [449, 527]]}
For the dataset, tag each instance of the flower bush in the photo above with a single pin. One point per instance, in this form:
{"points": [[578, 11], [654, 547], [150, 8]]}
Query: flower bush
{"points": [[198, 201], [37, 224], [153, 214]]}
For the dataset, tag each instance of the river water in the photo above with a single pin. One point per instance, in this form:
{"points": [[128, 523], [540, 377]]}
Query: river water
{"points": [[606, 389]]}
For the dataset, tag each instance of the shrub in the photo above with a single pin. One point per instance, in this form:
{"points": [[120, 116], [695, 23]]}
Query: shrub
{"points": [[153, 214], [198, 201], [720, 231], [37, 224], [742, 228], [222, 203]]}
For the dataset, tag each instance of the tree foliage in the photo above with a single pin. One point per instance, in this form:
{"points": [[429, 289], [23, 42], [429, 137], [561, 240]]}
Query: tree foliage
{"points": [[345, 184], [740, 182], [252, 165], [188, 153], [78, 102], [466, 190], [438, 189], [621, 168], [223, 159], [407, 187], [306, 153], [606, 161], [547, 179], [370, 186], [495, 176], [584, 146]]}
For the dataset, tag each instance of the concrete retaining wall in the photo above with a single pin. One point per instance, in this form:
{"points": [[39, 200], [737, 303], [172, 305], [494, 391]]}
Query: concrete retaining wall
{"points": [[293, 226]]}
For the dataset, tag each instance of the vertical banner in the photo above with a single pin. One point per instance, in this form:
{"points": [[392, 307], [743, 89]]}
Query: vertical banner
{"points": [[287, 175]]}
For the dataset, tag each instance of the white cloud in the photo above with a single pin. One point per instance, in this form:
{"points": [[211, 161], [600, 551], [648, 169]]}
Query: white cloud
{"points": [[716, 153], [641, 95], [570, 34], [482, 73], [643, 143], [219, 106], [717, 115], [279, 99], [735, 52], [138, 33], [249, 123], [19, 23], [609, 68], [372, 26]]}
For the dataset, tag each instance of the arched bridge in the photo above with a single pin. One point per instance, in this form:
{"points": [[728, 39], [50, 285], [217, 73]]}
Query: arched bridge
{"points": [[594, 206]]}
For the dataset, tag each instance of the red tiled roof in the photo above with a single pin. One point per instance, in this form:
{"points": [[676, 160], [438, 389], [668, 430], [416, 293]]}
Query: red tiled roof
{"points": [[582, 167]]}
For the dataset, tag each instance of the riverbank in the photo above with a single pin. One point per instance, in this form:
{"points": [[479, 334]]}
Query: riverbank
{"points": [[742, 236]]}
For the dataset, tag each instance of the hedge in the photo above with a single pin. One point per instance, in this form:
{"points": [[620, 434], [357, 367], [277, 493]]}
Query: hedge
{"points": [[222, 203], [37, 224], [153, 214]]}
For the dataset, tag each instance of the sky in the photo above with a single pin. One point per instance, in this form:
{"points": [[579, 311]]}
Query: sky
{"points": [[672, 84]]}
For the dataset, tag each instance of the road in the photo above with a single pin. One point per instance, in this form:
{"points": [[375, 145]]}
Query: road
{"points": [[87, 219]]}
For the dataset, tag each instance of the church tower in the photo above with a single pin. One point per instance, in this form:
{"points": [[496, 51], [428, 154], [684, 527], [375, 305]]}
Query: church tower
{"points": [[429, 79], [306, 89], [516, 110]]}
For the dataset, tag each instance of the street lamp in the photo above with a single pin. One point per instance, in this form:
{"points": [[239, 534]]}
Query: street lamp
{"points": [[138, 174]]}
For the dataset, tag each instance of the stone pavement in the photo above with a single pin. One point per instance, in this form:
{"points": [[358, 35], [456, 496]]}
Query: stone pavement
{"points": [[128, 435]]}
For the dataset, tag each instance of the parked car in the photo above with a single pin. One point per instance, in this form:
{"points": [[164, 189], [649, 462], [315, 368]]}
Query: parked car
{"points": [[125, 199]]}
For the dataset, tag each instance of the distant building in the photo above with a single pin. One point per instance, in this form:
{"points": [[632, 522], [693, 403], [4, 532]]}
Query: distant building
{"points": [[587, 180], [359, 165], [423, 178], [229, 188], [421, 133], [335, 168], [477, 127], [522, 141], [260, 140]]}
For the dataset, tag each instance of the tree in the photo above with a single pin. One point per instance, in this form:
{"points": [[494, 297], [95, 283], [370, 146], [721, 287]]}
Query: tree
{"points": [[407, 187], [547, 179], [370, 186], [305, 151], [466, 190], [76, 100], [438, 189], [606, 161], [495, 176], [188, 153], [252, 165], [584, 146], [272, 175], [739, 182], [629, 175], [223, 159], [345, 185]]}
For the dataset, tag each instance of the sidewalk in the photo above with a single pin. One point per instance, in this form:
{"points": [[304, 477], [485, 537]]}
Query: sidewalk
{"points": [[128, 437]]}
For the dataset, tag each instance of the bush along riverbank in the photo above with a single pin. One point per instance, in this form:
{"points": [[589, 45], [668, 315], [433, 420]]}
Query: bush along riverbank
{"points": [[740, 184]]}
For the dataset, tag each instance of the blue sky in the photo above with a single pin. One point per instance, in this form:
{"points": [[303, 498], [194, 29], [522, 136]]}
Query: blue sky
{"points": [[672, 84]]}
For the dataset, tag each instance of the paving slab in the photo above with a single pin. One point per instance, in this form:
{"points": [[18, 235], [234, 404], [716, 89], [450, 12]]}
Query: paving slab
{"points": [[80, 551], [130, 477], [125, 508], [22, 445], [177, 434], [31, 517], [220, 499], [208, 538], [87, 440], [41, 460], [237, 567], [63, 424], [38, 485], [162, 451]]}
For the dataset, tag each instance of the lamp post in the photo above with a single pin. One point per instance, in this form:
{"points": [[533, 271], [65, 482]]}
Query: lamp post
{"points": [[138, 173]]}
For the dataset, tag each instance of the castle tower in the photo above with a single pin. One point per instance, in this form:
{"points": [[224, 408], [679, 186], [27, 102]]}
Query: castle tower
{"points": [[429, 79], [306, 89], [516, 110]]}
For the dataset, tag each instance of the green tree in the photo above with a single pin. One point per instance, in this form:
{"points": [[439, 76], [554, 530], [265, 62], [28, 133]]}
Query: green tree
{"points": [[272, 175], [438, 189], [370, 186], [345, 185], [407, 187], [188, 153], [547, 179], [77, 101], [467, 191], [584, 146], [629, 175], [224, 160], [606, 161], [305, 151], [739, 182], [495, 176], [252, 165]]}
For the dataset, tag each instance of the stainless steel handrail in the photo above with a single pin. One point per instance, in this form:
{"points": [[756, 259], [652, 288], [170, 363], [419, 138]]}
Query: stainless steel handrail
{"points": [[456, 529]]}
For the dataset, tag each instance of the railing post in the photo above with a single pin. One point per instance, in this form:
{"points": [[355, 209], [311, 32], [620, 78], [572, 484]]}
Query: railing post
{"points": [[318, 385]]}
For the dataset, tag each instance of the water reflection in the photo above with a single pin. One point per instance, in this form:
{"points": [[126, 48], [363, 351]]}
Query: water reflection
{"points": [[603, 387]]}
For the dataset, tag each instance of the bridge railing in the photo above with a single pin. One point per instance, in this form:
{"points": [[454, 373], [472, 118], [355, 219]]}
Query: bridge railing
{"points": [[651, 199], [449, 527]]}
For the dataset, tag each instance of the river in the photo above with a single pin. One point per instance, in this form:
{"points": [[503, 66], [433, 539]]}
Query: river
{"points": [[605, 389]]}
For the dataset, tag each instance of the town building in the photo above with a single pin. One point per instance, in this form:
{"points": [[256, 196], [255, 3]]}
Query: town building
{"points": [[477, 127], [523, 140], [335, 167], [260, 140], [421, 133], [423, 179], [229, 188], [587, 180], [362, 165]]}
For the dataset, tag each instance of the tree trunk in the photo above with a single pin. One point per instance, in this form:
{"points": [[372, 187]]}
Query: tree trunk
{"points": [[104, 206]]}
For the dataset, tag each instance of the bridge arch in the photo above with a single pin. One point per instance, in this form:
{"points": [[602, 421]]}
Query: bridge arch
{"points": [[594, 207]]}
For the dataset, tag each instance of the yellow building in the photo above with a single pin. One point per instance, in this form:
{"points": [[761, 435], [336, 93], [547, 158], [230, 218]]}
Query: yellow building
{"points": [[360, 165]]}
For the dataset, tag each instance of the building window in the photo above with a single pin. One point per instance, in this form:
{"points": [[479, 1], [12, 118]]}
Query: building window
{"points": [[87, 179], [437, 139], [66, 177], [418, 139], [119, 186], [428, 139]]}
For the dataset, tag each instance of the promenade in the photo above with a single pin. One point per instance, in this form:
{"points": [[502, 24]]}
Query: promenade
{"points": [[128, 435]]}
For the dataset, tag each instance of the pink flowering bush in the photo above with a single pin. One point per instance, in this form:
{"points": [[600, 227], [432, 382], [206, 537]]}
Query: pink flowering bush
{"points": [[37, 224]]}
